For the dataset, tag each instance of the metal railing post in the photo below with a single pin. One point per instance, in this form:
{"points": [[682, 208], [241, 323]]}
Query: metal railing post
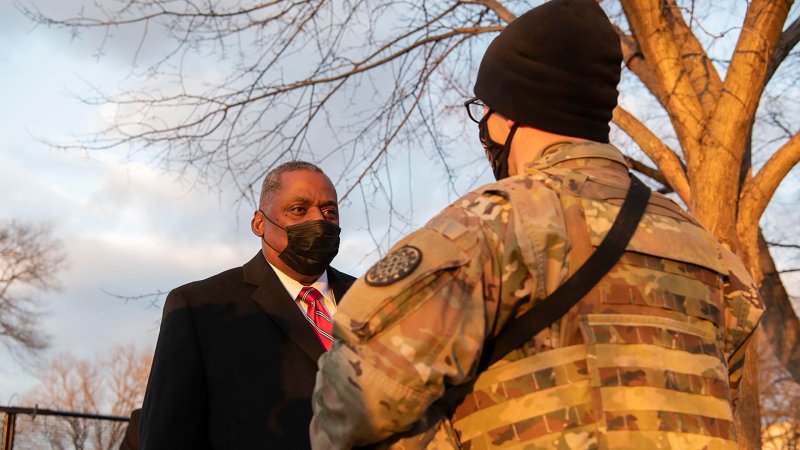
{"points": [[11, 412], [8, 431]]}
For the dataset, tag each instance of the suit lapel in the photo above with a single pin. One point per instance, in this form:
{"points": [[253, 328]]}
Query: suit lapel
{"points": [[281, 308], [339, 283]]}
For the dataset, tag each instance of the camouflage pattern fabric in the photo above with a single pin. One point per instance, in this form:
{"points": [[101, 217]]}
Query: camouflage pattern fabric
{"points": [[650, 358]]}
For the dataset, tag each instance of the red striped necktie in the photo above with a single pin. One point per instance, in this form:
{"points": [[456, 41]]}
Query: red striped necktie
{"points": [[316, 315]]}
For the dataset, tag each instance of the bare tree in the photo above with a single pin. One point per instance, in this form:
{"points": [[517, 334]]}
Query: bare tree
{"points": [[110, 384], [780, 404], [359, 83], [30, 258]]}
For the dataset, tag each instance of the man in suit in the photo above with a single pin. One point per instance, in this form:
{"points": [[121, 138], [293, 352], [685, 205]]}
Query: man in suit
{"points": [[237, 353]]}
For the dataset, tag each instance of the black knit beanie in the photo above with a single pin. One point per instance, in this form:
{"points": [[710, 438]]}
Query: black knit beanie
{"points": [[555, 68]]}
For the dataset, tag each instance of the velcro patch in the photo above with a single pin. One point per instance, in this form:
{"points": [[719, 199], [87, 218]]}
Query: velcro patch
{"points": [[394, 267]]}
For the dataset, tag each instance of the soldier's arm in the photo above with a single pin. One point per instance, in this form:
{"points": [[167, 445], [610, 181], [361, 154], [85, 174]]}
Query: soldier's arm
{"points": [[743, 311], [736, 369], [412, 325]]}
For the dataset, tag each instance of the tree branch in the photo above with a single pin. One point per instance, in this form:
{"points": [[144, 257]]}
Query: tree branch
{"points": [[664, 157], [789, 39], [701, 72], [424, 78], [758, 190], [501, 11], [744, 81], [782, 245], [652, 31], [650, 172], [634, 60], [90, 22]]}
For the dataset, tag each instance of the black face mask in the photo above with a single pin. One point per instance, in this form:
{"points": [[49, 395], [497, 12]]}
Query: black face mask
{"points": [[496, 152], [312, 245]]}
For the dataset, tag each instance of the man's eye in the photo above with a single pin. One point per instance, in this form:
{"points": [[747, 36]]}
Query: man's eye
{"points": [[330, 213], [297, 210]]}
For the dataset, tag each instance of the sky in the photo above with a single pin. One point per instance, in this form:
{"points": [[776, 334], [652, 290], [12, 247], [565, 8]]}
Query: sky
{"points": [[127, 227]]}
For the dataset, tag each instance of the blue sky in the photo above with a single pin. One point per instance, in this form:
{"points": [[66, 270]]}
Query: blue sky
{"points": [[128, 227]]}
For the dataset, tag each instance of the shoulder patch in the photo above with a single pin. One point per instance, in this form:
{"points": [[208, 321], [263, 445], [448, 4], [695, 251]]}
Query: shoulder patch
{"points": [[394, 267]]}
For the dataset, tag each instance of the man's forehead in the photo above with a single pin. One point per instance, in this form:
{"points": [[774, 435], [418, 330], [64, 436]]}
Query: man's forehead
{"points": [[304, 184], [303, 174]]}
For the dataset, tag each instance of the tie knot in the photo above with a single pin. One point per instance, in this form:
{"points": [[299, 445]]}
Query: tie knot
{"points": [[309, 295]]}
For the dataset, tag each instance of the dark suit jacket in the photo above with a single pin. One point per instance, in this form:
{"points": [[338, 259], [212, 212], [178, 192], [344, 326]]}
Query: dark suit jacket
{"points": [[234, 366], [131, 439]]}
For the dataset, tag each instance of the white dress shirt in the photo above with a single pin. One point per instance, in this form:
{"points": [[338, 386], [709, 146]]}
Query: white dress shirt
{"points": [[293, 287]]}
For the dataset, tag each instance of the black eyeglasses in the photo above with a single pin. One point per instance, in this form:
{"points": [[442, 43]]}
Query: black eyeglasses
{"points": [[475, 108]]}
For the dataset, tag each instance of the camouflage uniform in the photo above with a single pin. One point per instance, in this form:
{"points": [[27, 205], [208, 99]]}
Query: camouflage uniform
{"points": [[649, 358]]}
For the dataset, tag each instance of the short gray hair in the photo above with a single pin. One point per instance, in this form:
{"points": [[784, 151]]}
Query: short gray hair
{"points": [[272, 181]]}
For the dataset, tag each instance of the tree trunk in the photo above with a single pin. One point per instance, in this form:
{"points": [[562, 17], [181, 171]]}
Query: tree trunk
{"points": [[780, 322], [748, 416]]}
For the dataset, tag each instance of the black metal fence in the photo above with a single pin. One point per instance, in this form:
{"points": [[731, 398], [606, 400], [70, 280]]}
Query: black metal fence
{"points": [[40, 429]]}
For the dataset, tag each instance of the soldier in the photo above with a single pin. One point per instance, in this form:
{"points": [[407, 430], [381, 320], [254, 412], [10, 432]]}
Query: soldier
{"points": [[649, 358]]}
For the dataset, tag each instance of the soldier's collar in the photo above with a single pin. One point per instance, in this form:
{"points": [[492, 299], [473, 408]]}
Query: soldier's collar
{"points": [[566, 150]]}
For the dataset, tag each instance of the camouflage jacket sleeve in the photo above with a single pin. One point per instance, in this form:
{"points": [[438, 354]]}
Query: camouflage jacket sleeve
{"points": [[398, 346], [743, 311]]}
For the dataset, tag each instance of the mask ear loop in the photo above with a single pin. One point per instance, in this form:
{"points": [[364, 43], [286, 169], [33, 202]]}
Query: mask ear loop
{"points": [[502, 160], [507, 145], [486, 116], [484, 136], [263, 235], [270, 220]]}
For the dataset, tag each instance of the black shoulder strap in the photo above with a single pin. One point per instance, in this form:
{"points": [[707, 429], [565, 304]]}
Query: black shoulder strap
{"points": [[553, 307]]}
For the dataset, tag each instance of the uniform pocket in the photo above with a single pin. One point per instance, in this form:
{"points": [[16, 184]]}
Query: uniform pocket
{"points": [[375, 307]]}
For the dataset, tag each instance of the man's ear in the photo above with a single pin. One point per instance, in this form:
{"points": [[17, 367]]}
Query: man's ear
{"points": [[257, 224]]}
